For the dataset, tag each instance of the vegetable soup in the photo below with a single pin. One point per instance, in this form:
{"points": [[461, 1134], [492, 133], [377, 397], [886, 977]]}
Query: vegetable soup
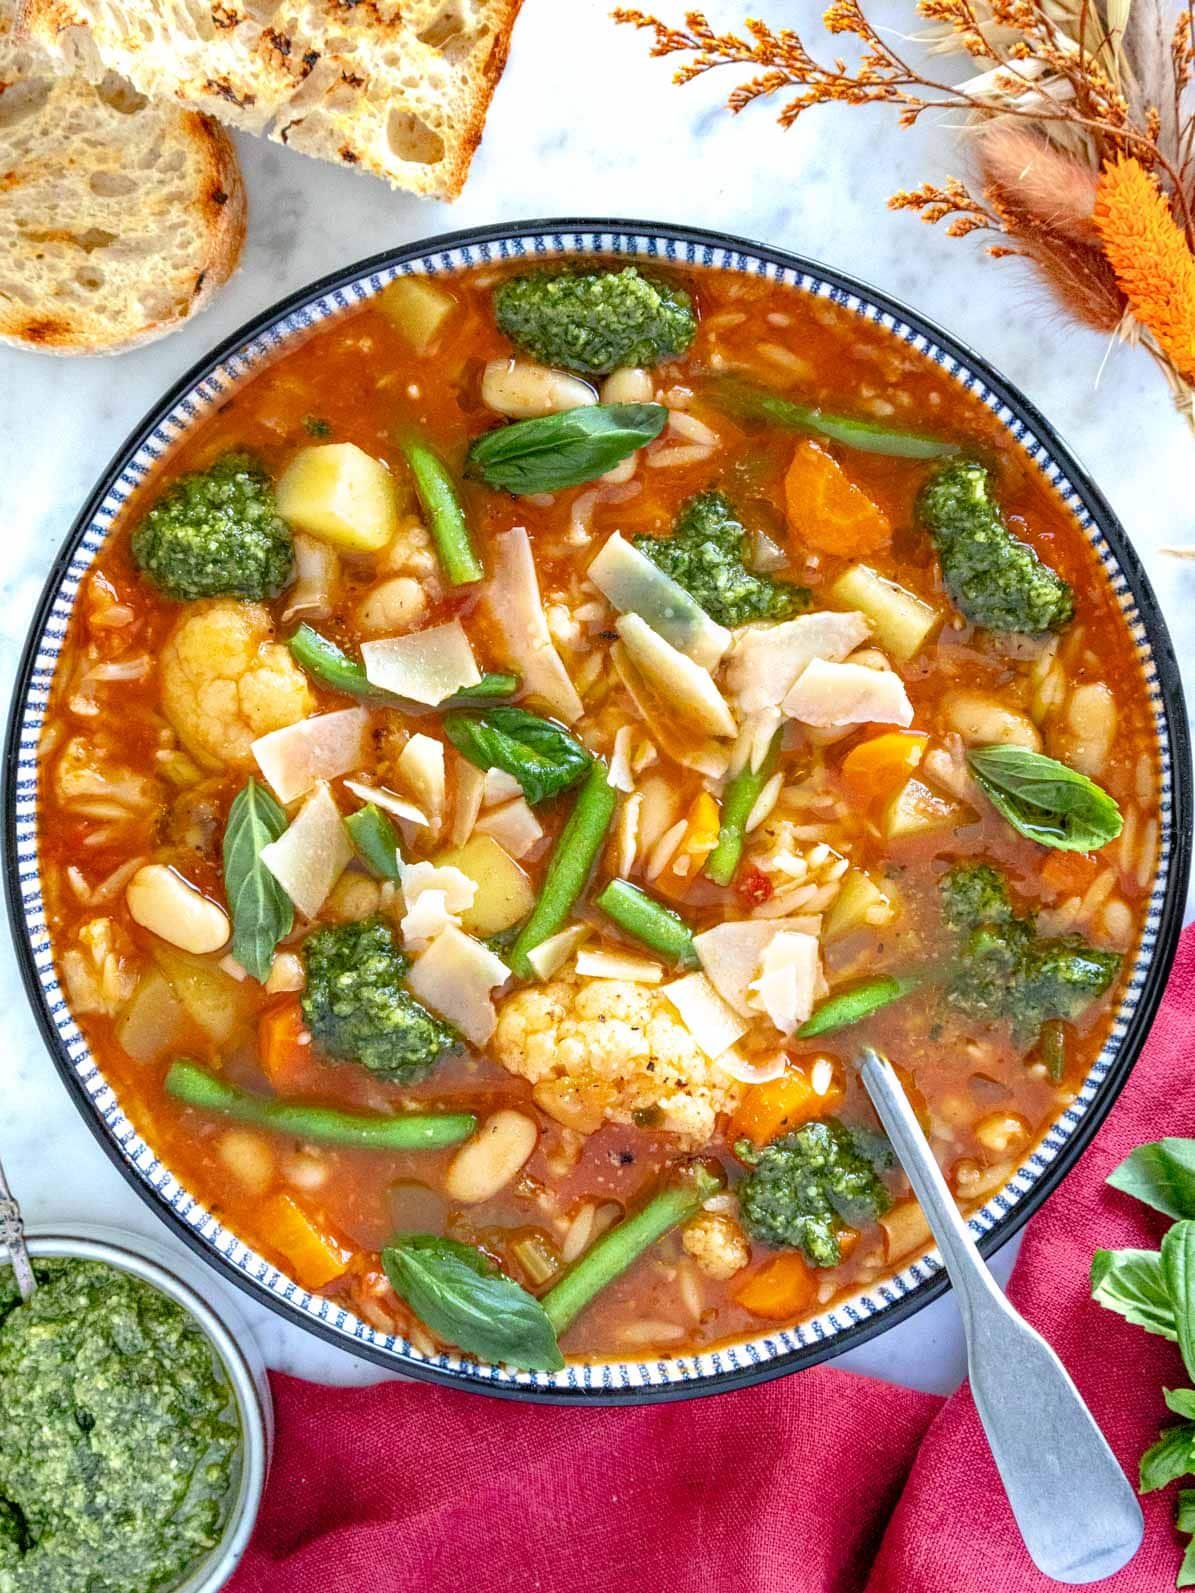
{"points": [[518, 749]]}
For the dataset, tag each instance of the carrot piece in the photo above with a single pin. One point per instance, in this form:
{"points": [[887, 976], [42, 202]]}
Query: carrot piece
{"points": [[769, 1110], [701, 834], [284, 1045], [825, 508], [1068, 873], [781, 1289], [315, 1255], [876, 766]]}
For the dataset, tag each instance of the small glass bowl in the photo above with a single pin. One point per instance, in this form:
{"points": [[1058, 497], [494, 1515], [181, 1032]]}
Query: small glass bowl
{"points": [[190, 1285]]}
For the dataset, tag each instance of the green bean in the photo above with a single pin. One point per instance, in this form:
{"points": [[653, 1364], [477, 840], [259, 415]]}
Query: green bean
{"points": [[852, 1006], [648, 921], [680, 1198], [195, 1086], [757, 403], [445, 516], [740, 796], [570, 865], [374, 841]]}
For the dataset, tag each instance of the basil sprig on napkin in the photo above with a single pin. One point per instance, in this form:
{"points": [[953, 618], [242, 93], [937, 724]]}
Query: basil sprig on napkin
{"points": [[1044, 800], [261, 910], [541, 756], [463, 1298], [1155, 1290], [564, 450]]}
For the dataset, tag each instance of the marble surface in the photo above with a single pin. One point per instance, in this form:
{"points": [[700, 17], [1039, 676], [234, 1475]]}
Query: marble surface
{"points": [[611, 139]]}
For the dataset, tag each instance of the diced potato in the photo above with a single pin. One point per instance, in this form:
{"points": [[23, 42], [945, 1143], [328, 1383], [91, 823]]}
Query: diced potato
{"points": [[916, 810], [211, 998], [154, 1021], [902, 621], [504, 894], [860, 903], [338, 493], [417, 308]]}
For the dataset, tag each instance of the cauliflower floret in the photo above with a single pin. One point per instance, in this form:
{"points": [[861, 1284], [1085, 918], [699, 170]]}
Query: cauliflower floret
{"points": [[88, 779], [717, 1244], [225, 681], [609, 1050]]}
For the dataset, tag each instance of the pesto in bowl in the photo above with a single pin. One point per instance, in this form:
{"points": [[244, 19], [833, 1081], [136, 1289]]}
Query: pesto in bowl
{"points": [[119, 1435]]}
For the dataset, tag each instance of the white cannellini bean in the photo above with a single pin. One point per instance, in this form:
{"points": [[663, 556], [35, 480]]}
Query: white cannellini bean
{"points": [[524, 390], [392, 606], [248, 1157], [162, 901], [1002, 1132], [1091, 722], [629, 384], [494, 1155], [979, 718]]}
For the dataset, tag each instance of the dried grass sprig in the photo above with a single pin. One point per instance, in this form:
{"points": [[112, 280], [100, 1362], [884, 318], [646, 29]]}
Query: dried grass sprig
{"points": [[1085, 146]]}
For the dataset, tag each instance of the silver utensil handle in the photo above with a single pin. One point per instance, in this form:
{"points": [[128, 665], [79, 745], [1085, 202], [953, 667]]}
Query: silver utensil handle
{"points": [[1076, 1511], [12, 1239]]}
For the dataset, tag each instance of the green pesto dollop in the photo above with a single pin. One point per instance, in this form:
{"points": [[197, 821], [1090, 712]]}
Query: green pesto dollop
{"points": [[118, 1435]]}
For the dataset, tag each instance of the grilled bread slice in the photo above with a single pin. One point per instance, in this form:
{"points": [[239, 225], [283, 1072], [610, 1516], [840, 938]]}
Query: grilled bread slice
{"points": [[118, 218], [399, 88]]}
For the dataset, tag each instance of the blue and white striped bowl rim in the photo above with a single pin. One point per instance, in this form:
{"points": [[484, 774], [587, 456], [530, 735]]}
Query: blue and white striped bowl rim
{"points": [[727, 1365]]}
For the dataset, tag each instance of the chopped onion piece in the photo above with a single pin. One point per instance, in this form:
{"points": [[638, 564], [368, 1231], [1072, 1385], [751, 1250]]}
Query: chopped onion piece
{"points": [[620, 776], [311, 854], [515, 828], [686, 686], [420, 766], [232, 968], [626, 832], [388, 801], [830, 695], [789, 976], [454, 977], [635, 585], [713, 1024], [317, 574], [513, 604], [747, 1072], [552, 954], [424, 666], [298, 756], [603, 963]]}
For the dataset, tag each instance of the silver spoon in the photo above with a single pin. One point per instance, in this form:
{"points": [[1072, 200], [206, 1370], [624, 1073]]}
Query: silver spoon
{"points": [[1075, 1509], [12, 1238]]}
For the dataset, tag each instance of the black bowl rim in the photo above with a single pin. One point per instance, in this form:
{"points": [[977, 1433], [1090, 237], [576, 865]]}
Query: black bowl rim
{"points": [[1170, 915]]}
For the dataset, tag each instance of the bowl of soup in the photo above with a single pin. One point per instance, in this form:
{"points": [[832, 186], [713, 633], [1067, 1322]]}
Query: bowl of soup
{"points": [[507, 729]]}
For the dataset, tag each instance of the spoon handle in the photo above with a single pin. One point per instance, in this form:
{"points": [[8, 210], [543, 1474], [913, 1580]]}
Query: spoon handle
{"points": [[1078, 1515], [12, 1238]]}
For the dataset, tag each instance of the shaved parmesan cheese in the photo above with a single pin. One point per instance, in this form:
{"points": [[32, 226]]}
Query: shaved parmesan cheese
{"points": [[454, 977], [513, 826], [424, 666], [603, 963], [296, 757], [678, 740], [684, 685], [552, 954], [434, 898], [730, 955], [513, 604], [469, 785], [635, 585], [713, 1024], [420, 766], [829, 695], [789, 977], [499, 787], [767, 660], [746, 1072], [388, 801], [311, 854]]}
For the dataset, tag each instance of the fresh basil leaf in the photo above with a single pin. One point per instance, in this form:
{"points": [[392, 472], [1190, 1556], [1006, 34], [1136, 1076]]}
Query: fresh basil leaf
{"points": [[1130, 1282], [454, 1291], [1161, 1174], [261, 910], [1044, 800], [563, 450], [1181, 1401], [1172, 1457], [1178, 1271], [542, 757], [373, 838]]}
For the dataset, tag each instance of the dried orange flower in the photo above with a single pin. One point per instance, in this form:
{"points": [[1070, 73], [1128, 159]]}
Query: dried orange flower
{"points": [[1149, 253]]}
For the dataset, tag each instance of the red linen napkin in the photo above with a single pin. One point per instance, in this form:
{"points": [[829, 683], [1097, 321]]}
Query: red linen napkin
{"points": [[818, 1483]]}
